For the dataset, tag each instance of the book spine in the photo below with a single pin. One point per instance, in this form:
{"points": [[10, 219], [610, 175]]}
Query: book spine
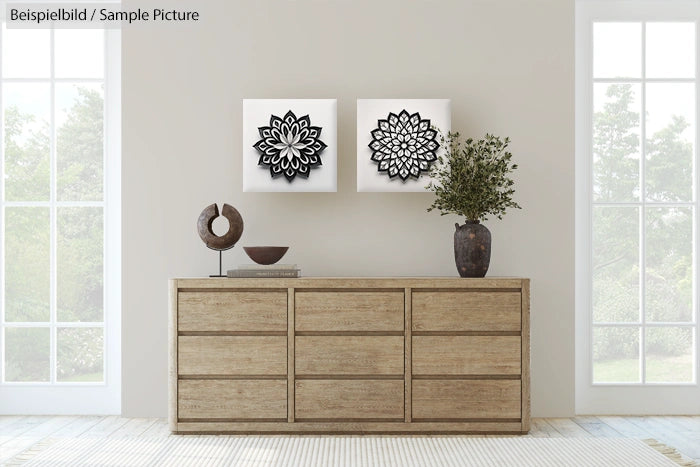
{"points": [[258, 273], [266, 267]]}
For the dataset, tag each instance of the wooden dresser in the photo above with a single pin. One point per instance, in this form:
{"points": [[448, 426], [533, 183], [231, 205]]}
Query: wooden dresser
{"points": [[350, 355]]}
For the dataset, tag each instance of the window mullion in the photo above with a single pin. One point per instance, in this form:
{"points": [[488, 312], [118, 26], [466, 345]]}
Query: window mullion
{"points": [[52, 216], [590, 206], [657, 204], [696, 230], [106, 100], [640, 80], [642, 212], [648, 325], [2, 221], [55, 80]]}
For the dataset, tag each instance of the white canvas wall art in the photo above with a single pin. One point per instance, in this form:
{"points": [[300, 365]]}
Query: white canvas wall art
{"points": [[398, 141], [290, 145]]}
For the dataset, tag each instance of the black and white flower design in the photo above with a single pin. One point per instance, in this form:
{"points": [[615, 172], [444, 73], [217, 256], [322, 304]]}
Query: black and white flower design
{"points": [[404, 145], [290, 146]]}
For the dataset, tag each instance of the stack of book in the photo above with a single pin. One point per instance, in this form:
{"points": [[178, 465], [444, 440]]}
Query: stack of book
{"points": [[260, 270]]}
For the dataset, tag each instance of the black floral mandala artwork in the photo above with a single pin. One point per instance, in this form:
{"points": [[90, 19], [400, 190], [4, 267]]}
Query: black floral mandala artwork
{"points": [[290, 146], [404, 145]]}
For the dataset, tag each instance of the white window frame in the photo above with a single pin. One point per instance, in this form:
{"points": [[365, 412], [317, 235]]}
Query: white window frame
{"points": [[99, 398], [622, 398]]}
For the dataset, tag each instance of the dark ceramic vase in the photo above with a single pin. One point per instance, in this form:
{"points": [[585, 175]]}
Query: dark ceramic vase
{"points": [[472, 249]]}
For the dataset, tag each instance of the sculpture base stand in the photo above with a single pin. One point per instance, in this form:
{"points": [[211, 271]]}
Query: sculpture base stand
{"points": [[221, 252]]}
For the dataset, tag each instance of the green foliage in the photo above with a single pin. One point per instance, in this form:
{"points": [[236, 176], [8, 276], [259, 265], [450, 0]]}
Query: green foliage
{"points": [[658, 369], [612, 343], [27, 170], [79, 149], [27, 241], [27, 176], [668, 273], [471, 178], [80, 354], [27, 354], [615, 264], [669, 164], [616, 147], [79, 240], [79, 264]]}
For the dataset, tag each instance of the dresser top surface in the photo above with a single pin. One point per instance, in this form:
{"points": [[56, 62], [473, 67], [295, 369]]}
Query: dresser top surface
{"points": [[353, 282]]}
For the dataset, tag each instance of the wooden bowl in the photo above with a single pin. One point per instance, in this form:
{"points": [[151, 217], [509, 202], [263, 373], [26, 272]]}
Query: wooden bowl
{"points": [[265, 254]]}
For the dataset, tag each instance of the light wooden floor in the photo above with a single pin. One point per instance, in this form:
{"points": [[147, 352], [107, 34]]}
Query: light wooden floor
{"points": [[19, 433]]}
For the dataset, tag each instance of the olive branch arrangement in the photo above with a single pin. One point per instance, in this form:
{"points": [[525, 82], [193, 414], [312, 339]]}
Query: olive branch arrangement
{"points": [[471, 178]]}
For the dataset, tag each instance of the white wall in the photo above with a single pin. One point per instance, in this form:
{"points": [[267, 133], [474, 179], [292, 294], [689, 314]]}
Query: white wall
{"points": [[508, 67]]}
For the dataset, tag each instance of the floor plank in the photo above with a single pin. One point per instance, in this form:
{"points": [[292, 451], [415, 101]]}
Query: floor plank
{"points": [[541, 429], [36, 433], [665, 432], [684, 439], [105, 427], [693, 421], [597, 428], [159, 428], [683, 423], [568, 428], [625, 427], [6, 420], [78, 427], [19, 426], [134, 427]]}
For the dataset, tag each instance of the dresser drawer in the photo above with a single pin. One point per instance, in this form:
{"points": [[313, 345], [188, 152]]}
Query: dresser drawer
{"points": [[466, 355], [349, 311], [466, 311], [466, 399], [349, 399], [349, 355], [232, 311], [232, 399], [232, 355]]}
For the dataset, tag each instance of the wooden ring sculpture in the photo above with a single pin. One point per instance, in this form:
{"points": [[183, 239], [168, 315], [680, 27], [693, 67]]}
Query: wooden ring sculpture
{"points": [[229, 239]]}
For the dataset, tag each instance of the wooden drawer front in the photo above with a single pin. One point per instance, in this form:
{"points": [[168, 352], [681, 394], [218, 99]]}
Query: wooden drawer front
{"points": [[455, 399], [232, 355], [466, 311], [466, 355], [349, 311], [349, 399], [232, 311], [349, 355], [229, 399]]}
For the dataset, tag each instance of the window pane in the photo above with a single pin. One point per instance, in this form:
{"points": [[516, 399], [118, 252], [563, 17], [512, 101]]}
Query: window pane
{"points": [[670, 50], [616, 142], [615, 355], [26, 109], [79, 354], [26, 53], [27, 354], [617, 50], [79, 145], [670, 141], [669, 355], [615, 264], [79, 264], [79, 53], [27, 264], [669, 268]]}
